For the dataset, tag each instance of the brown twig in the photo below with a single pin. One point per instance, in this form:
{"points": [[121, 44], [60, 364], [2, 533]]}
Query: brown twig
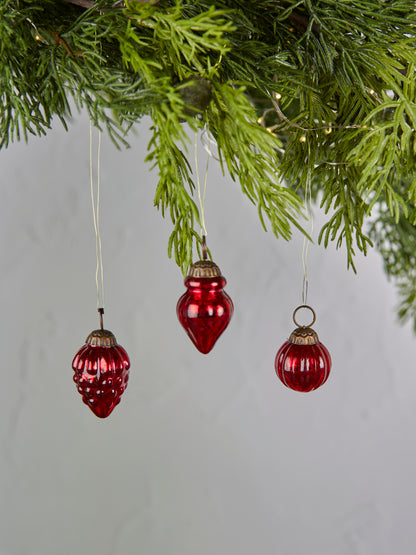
{"points": [[90, 3], [59, 40], [304, 21], [82, 3]]}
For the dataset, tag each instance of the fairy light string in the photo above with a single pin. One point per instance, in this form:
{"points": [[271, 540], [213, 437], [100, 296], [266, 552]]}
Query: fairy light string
{"points": [[99, 270]]}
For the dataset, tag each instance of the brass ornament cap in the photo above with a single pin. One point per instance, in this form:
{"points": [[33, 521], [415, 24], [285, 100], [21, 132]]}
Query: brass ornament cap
{"points": [[304, 336], [101, 338], [204, 269]]}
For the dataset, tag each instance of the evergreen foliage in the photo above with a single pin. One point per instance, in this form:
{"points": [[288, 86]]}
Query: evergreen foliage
{"points": [[288, 89]]}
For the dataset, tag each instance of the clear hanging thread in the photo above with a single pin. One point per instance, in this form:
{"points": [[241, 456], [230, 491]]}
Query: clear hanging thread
{"points": [[209, 143], [99, 273], [201, 197], [306, 241]]}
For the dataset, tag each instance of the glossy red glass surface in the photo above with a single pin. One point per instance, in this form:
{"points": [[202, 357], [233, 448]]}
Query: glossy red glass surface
{"points": [[204, 311], [101, 375], [303, 367]]}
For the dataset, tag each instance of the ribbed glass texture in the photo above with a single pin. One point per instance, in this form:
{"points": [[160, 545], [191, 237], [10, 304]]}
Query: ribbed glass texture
{"points": [[101, 375], [204, 311], [303, 367]]}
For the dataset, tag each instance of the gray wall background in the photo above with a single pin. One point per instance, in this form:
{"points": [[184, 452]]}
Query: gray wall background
{"points": [[205, 454]]}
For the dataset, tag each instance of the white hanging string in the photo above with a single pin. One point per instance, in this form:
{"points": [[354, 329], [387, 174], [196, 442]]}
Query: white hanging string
{"points": [[306, 241], [99, 273], [208, 142], [201, 197]]}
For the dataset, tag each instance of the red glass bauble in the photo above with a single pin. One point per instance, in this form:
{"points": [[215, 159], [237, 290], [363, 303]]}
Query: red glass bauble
{"points": [[101, 371], [205, 310], [303, 363]]}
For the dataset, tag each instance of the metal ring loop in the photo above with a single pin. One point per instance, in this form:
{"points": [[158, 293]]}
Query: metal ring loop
{"points": [[311, 309]]}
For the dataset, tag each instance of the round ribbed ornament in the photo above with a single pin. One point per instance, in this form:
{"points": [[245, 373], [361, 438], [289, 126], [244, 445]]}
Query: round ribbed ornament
{"points": [[101, 372], [205, 309], [303, 363]]}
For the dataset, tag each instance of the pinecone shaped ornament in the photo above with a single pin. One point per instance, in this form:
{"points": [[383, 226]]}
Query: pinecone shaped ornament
{"points": [[303, 363], [205, 310], [101, 372]]}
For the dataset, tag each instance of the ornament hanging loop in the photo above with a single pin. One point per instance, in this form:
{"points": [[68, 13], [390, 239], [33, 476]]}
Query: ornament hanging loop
{"points": [[204, 248], [101, 312], [313, 313]]}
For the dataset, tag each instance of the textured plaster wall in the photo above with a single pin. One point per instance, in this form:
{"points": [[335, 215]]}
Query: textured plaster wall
{"points": [[205, 454]]}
